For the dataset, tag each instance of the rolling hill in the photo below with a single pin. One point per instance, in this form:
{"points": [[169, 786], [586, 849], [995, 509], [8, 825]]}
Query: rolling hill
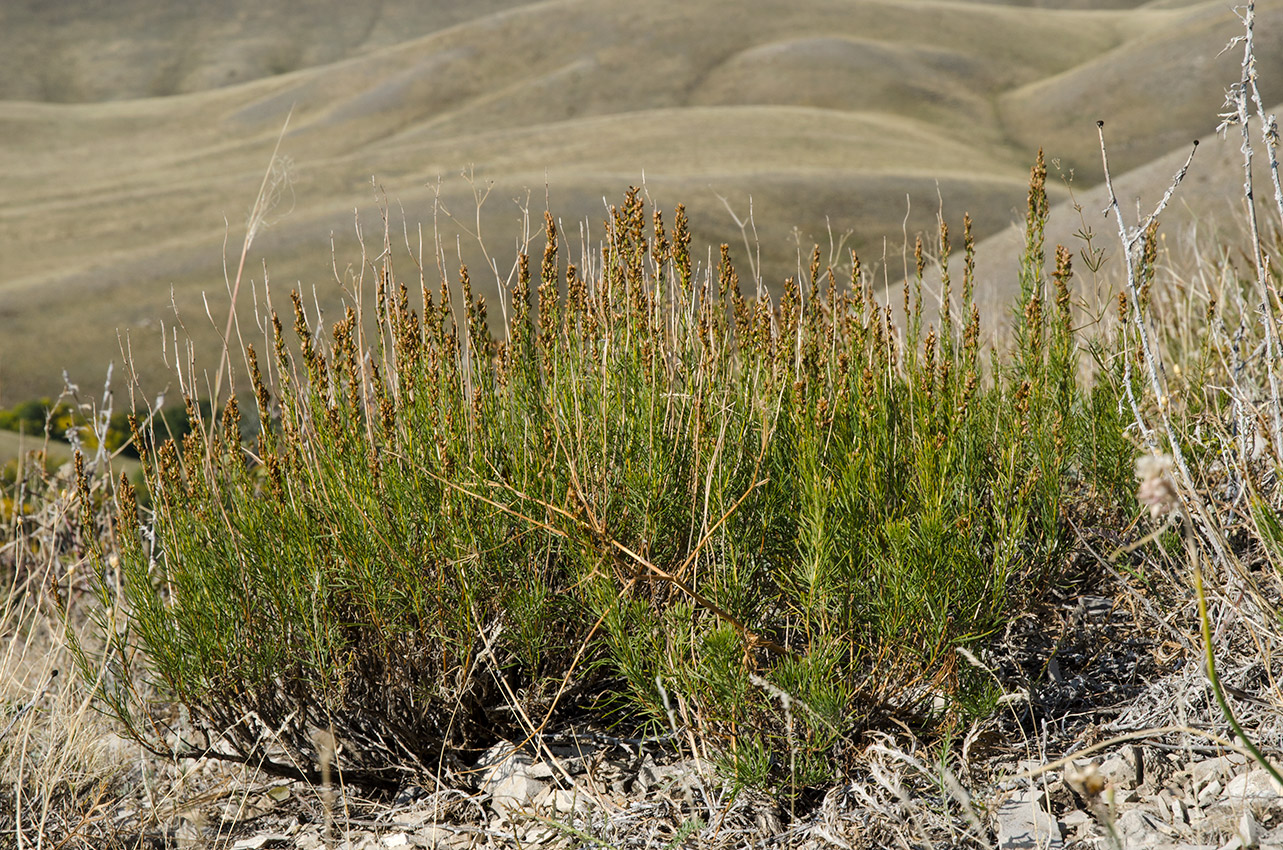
{"points": [[129, 157]]}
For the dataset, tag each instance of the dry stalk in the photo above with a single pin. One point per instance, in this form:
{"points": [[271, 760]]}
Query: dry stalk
{"points": [[263, 204]]}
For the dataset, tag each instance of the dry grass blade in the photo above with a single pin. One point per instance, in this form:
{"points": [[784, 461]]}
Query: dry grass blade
{"points": [[258, 214]]}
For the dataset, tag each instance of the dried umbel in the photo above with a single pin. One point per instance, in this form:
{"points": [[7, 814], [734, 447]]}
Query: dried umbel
{"points": [[1157, 490], [1085, 779]]}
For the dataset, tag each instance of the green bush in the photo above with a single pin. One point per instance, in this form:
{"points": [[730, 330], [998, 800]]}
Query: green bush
{"points": [[650, 494]]}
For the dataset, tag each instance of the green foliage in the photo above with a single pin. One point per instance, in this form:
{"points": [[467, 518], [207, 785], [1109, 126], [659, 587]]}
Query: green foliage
{"points": [[781, 513]]}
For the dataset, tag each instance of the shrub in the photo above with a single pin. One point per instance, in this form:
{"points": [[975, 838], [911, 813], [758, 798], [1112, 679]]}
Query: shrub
{"points": [[650, 493]]}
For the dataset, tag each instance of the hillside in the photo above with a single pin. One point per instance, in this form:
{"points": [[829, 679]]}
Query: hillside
{"points": [[131, 156]]}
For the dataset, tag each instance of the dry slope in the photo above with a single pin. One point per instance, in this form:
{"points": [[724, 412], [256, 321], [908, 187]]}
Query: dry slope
{"points": [[127, 156]]}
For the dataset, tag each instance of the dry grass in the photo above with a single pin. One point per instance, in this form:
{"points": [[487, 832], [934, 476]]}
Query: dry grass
{"points": [[58, 754], [59, 761]]}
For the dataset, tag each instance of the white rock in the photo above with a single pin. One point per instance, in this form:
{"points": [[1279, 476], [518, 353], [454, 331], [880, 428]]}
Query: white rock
{"points": [[1118, 771], [540, 770], [1220, 768], [310, 840], [1139, 829], [1075, 819], [1028, 766], [539, 834], [259, 841], [1254, 785], [518, 791], [1248, 830], [506, 775], [567, 801], [1024, 825], [1211, 791], [396, 839], [418, 816], [500, 762]]}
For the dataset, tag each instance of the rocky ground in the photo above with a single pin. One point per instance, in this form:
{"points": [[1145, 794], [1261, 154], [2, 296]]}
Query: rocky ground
{"points": [[600, 792]]}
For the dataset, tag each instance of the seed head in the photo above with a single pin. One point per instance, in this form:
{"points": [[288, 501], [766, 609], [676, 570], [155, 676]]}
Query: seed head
{"points": [[1157, 490]]}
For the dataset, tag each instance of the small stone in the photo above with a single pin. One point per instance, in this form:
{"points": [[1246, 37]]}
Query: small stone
{"points": [[417, 816], [1248, 830], [500, 762], [259, 841], [1139, 829], [1211, 791], [1075, 819], [516, 792], [539, 834], [1208, 770], [1254, 785], [1024, 825], [396, 839], [1028, 766], [540, 770], [1119, 771], [568, 801], [310, 840], [1159, 810]]}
